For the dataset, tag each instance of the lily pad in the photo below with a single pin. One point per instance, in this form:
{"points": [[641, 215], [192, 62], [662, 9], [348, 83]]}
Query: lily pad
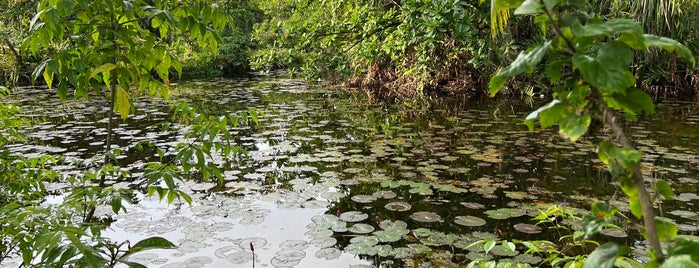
{"points": [[240, 257], [391, 234], [472, 205], [402, 252], [276, 262], [389, 223], [294, 244], [317, 233], [527, 258], [614, 232], [501, 250], [362, 198], [328, 253], [353, 216], [527, 228], [365, 240], [361, 228], [425, 216], [324, 242], [398, 206], [257, 242], [504, 213], [385, 194], [470, 221], [290, 255]]}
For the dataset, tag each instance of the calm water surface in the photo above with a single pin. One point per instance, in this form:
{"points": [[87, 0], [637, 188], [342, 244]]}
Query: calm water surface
{"points": [[334, 182]]}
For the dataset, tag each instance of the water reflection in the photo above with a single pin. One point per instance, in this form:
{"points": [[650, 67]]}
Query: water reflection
{"points": [[339, 177]]}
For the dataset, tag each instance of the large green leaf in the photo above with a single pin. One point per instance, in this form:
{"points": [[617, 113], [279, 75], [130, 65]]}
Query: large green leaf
{"points": [[666, 229], [149, 243], [611, 27], [574, 126], [534, 6], [529, 120], [602, 257], [525, 61], [609, 69], [688, 245], [681, 261], [635, 101], [669, 45]]}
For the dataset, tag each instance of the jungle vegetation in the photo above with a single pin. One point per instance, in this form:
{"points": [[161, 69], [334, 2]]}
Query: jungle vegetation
{"points": [[597, 57]]}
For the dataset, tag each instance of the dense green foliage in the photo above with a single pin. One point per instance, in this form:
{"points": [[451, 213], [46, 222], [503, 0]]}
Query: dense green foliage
{"points": [[126, 49], [392, 48], [236, 44], [588, 64], [404, 48]]}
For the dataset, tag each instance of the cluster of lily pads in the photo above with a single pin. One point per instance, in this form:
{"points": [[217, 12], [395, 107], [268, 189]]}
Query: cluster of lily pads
{"points": [[394, 182]]}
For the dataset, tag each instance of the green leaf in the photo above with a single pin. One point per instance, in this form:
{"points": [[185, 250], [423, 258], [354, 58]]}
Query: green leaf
{"points": [[526, 60], [132, 264], [681, 261], [529, 120], [609, 28], [669, 45], [534, 7], [603, 210], [664, 189], [489, 246], [666, 230], [116, 204], [48, 77], [635, 101], [602, 257], [553, 71], [148, 243], [574, 126], [609, 70], [102, 68], [684, 244], [634, 200], [123, 104], [496, 83]]}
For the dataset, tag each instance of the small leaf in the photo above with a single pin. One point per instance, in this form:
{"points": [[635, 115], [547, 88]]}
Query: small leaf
{"points": [[102, 68], [574, 126], [526, 60], [666, 230], [489, 246], [664, 189], [116, 204], [123, 103], [529, 121]]}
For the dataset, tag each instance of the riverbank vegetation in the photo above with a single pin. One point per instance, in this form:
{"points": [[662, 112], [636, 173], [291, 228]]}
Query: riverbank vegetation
{"points": [[604, 60], [391, 49]]}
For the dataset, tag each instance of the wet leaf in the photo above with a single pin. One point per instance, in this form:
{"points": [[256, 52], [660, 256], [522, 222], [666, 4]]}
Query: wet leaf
{"points": [[425, 216], [470, 221], [504, 213], [353, 216], [398, 206], [528, 228]]}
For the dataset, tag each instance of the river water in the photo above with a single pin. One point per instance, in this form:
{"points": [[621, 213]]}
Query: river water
{"points": [[332, 181]]}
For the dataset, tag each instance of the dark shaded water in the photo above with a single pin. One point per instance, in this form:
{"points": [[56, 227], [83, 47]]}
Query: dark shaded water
{"points": [[333, 181]]}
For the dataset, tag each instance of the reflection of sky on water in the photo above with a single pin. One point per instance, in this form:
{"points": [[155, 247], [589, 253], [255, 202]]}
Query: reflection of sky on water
{"points": [[200, 234]]}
